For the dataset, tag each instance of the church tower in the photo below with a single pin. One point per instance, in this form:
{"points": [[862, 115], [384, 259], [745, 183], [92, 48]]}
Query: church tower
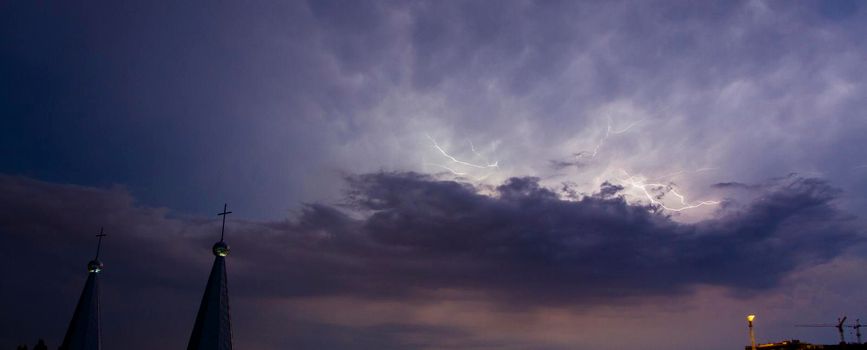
{"points": [[213, 328], [83, 332]]}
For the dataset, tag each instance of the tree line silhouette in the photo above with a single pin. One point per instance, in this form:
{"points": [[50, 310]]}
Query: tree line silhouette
{"points": [[40, 345]]}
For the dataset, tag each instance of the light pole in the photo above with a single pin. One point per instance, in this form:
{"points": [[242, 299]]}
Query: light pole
{"points": [[750, 319]]}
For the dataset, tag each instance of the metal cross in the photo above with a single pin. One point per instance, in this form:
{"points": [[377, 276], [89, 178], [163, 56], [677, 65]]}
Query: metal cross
{"points": [[99, 243], [223, 214]]}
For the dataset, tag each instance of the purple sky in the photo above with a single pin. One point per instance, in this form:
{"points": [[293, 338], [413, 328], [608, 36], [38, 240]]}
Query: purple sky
{"points": [[443, 174]]}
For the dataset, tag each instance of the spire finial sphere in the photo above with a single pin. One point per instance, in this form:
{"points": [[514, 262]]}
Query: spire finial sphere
{"points": [[94, 266], [221, 249]]}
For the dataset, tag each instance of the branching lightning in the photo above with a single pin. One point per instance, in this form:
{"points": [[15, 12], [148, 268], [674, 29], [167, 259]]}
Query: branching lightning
{"points": [[490, 166], [608, 133], [453, 159], [655, 191], [639, 183]]}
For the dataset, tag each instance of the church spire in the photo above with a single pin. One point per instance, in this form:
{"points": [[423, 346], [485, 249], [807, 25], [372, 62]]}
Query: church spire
{"points": [[83, 332], [213, 329]]}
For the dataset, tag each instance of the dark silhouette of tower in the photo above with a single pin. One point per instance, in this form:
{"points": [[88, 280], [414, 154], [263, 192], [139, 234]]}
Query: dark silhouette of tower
{"points": [[213, 328], [84, 332]]}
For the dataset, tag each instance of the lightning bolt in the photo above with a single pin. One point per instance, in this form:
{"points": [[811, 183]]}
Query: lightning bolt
{"points": [[639, 183], [655, 191], [608, 133], [453, 159]]}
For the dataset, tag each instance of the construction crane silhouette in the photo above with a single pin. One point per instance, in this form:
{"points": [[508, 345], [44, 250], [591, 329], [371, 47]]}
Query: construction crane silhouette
{"points": [[857, 328], [839, 325]]}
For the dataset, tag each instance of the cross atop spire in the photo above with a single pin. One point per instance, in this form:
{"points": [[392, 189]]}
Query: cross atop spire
{"points": [[99, 242], [223, 214]]}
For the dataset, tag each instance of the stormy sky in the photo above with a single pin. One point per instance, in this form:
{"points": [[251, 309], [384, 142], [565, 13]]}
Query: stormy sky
{"points": [[437, 174]]}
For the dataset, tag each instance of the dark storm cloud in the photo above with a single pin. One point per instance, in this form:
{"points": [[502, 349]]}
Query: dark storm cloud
{"points": [[565, 164], [524, 244], [608, 190], [527, 242]]}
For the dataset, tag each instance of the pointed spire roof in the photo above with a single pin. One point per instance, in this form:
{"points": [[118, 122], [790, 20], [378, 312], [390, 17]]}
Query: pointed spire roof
{"points": [[84, 331], [213, 328]]}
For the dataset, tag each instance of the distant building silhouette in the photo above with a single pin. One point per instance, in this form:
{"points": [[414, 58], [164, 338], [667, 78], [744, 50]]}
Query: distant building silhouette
{"points": [[798, 345]]}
